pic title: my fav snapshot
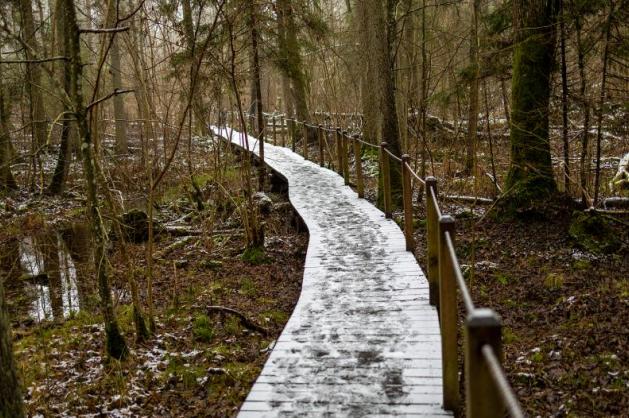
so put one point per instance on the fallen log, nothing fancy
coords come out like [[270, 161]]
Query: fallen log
[[243, 319]]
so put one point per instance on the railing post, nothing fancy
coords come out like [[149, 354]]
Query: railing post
[[360, 185], [274, 131], [339, 152], [482, 327], [321, 148], [386, 179], [344, 142], [283, 130], [448, 316], [407, 194], [305, 140], [293, 128], [432, 238]]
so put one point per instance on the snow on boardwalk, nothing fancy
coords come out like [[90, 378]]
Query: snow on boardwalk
[[363, 339]]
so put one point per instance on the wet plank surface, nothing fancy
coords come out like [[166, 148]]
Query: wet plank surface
[[363, 339]]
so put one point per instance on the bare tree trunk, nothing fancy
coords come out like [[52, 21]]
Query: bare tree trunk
[[116, 345], [33, 75], [369, 78], [11, 405], [564, 100], [601, 104], [585, 104], [7, 181], [253, 25], [291, 62], [472, 116], [120, 113]]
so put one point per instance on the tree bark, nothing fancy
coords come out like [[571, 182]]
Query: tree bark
[[11, 405], [33, 75], [7, 181], [472, 116], [120, 113], [115, 343], [530, 180]]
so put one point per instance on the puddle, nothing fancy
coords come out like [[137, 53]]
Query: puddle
[[55, 275], [52, 281]]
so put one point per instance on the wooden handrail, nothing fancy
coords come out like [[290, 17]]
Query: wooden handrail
[[487, 390]]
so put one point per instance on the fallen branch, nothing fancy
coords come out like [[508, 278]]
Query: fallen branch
[[243, 319], [471, 199]]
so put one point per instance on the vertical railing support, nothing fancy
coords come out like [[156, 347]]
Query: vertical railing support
[[293, 135], [274, 131], [407, 195], [321, 148], [432, 238], [386, 179], [482, 327], [283, 130], [360, 185], [345, 143], [339, 152], [448, 316], [305, 133]]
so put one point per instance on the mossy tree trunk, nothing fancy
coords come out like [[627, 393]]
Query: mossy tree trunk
[[120, 113], [11, 405], [290, 60], [115, 342], [7, 181], [530, 180], [58, 181]]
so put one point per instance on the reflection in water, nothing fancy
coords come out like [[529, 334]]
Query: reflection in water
[[53, 277]]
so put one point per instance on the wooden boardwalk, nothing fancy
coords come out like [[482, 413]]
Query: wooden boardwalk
[[363, 339]]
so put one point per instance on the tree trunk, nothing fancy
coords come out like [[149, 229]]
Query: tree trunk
[[253, 25], [33, 75], [291, 64], [601, 103], [60, 175], [530, 180], [369, 78], [584, 163], [11, 405], [564, 101], [120, 113], [472, 116], [7, 181], [116, 345]]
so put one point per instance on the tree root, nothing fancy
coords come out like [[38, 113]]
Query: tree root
[[243, 319]]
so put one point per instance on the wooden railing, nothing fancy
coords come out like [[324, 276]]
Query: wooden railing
[[487, 391]]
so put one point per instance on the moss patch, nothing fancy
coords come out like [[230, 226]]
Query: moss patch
[[592, 232]]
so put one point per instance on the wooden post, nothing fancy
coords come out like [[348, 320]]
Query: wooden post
[[432, 238], [407, 194], [448, 317], [344, 142], [321, 148], [293, 128], [283, 130], [360, 185], [339, 152], [386, 180], [305, 131], [482, 399], [274, 131]]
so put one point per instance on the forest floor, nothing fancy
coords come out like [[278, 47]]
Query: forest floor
[[197, 363], [564, 309]]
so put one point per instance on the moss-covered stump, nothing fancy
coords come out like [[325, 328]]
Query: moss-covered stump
[[135, 226], [592, 232]]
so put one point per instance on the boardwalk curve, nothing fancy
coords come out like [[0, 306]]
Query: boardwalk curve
[[363, 339]]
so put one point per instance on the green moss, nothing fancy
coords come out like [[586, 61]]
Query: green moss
[[248, 287], [278, 317], [581, 264], [502, 278], [592, 232], [202, 329], [554, 281], [255, 256], [186, 372]]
